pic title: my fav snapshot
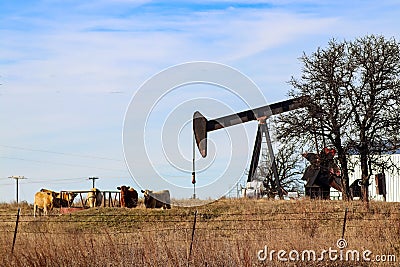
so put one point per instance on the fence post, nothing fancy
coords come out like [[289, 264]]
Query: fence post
[[191, 242], [15, 231], [344, 222]]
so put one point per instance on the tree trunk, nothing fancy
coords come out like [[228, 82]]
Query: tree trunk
[[364, 174], [345, 175], [343, 165]]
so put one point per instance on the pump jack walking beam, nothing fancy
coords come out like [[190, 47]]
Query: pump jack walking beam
[[201, 126]]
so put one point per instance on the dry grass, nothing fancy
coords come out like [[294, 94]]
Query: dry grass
[[228, 232]]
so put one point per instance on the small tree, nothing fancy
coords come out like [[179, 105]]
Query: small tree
[[354, 91], [288, 168]]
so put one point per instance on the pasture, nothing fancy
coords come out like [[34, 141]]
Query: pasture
[[229, 232]]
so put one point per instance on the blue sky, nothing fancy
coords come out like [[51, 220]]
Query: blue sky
[[69, 69]]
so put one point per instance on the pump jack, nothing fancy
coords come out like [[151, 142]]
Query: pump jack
[[201, 126]]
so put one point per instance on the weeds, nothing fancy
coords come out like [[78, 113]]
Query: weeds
[[228, 233]]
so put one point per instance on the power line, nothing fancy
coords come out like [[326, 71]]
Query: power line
[[5, 184], [57, 180], [58, 163], [61, 153]]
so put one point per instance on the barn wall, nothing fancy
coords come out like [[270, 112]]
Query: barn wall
[[392, 180]]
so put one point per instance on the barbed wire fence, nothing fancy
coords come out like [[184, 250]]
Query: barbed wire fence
[[205, 221], [194, 231]]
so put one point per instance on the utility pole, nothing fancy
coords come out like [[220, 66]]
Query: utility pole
[[93, 179], [17, 178]]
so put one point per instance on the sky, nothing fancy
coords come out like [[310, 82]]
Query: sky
[[69, 71]]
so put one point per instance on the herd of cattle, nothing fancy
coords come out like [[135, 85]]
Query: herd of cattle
[[45, 200]]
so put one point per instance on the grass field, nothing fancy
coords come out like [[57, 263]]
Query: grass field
[[229, 232]]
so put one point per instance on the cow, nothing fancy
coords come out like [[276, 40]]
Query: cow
[[64, 199], [43, 201], [129, 196], [94, 198], [159, 199]]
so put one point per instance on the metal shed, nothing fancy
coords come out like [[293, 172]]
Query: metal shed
[[392, 180]]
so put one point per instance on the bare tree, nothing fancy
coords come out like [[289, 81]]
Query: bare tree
[[374, 97], [288, 164], [354, 91], [326, 74]]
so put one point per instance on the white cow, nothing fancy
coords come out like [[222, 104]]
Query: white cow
[[94, 198], [159, 199]]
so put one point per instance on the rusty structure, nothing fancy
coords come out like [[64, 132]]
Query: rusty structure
[[201, 126], [322, 174], [109, 199]]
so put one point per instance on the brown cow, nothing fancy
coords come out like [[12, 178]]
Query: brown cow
[[159, 199], [43, 201], [129, 196]]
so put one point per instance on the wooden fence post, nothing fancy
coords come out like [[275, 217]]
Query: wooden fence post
[[191, 242], [344, 223], [15, 231]]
